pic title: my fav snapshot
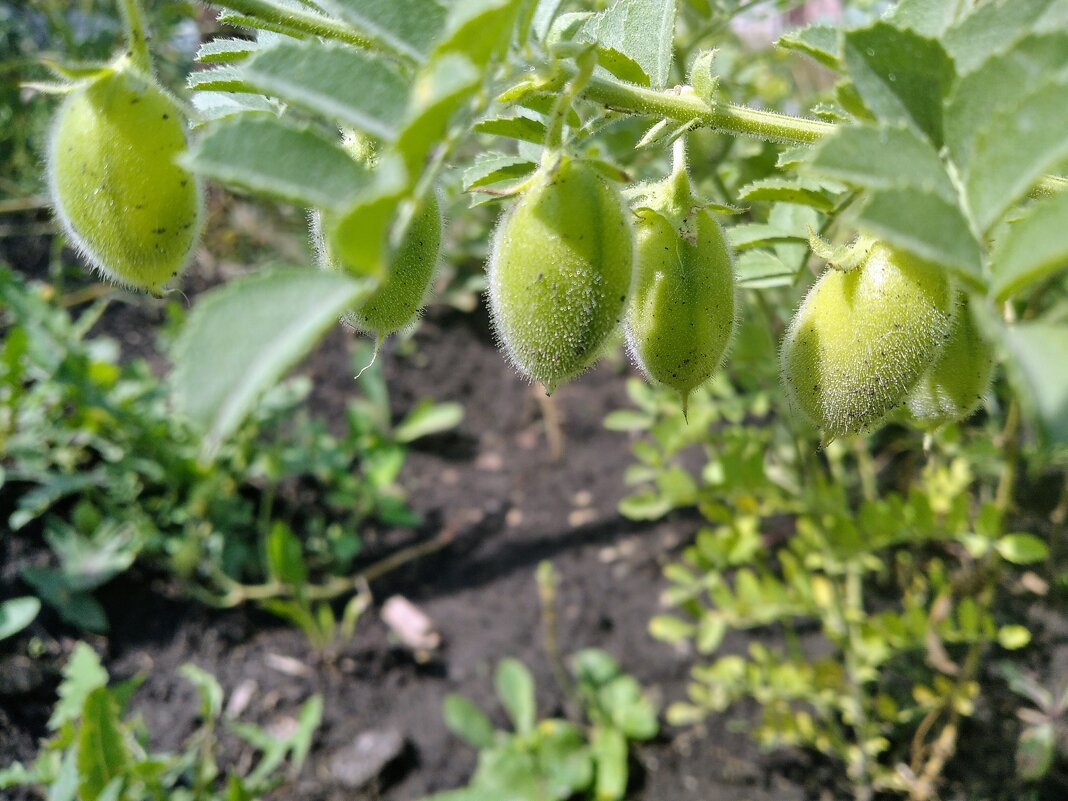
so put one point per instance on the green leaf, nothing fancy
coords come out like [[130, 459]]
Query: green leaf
[[1012, 638], [466, 720], [515, 688], [519, 127], [1038, 370], [996, 85], [641, 30], [901, 75], [621, 65], [1035, 751], [226, 78], [609, 748], [751, 235], [223, 49], [491, 168], [211, 693], [762, 269], [428, 418], [102, 752], [563, 759], [1022, 549], [927, 226], [993, 28], [362, 237], [217, 105], [1016, 147], [75, 607], [408, 28], [820, 42], [16, 614], [480, 29], [266, 155], [881, 157], [803, 191], [544, 12], [285, 556], [447, 83], [82, 674], [645, 506], [349, 87], [928, 18], [240, 339], [671, 629], [1034, 248]]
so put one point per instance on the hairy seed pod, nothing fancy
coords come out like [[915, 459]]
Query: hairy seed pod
[[397, 300], [560, 272], [954, 385], [861, 339], [681, 315], [124, 202]]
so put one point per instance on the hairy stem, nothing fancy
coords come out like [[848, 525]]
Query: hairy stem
[[307, 22], [133, 17]]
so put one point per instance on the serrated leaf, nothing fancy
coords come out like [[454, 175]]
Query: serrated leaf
[[515, 688], [82, 674], [820, 42], [805, 192], [16, 614], [641, 30], [1034, 248], [223, 49], [523, 128], [490, 168], [1015, 148], [1039, 373], [406, 27], [927, 17], [993, 28], [272, 157], [996, 84], [218, 105], [240, 339], [881, 157], [901, 76], [102, 752], [226, 78], [927, 226], [345, 85]]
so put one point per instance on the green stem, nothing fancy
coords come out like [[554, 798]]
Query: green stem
[[685, 106], [587, 62], [134, 19], [726, 117], [308, 23]]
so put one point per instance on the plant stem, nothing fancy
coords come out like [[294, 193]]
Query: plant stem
[[682, 105], [726, 117], [134, 18], [307, 23], [1009, 441]]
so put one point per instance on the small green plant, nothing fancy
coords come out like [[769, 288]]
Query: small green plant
[[1044, 736], [554, 759], [92, 453], [98, 752]]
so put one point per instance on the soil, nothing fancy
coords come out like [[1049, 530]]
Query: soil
[[495, 483]]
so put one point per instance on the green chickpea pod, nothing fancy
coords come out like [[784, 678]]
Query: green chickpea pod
[[560, 271], [124, 201], [681, 317], [862, 338]]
